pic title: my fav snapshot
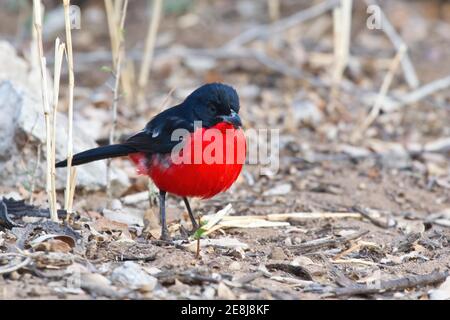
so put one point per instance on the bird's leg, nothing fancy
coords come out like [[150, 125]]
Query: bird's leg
[[191, 215], [162, 213]]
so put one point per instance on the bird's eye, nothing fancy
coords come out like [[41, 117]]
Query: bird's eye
[[212, 108]]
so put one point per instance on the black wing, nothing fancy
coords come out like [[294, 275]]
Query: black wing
[[157, 136]]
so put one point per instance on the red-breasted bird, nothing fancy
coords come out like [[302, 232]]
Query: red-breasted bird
[[209, 158]]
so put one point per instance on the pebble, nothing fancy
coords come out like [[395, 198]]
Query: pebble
[[130, 274], [277, 254]]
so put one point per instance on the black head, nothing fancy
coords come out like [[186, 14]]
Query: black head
[[213, 103]]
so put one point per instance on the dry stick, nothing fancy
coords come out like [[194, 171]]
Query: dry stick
[[149, 49], [45, 101], [262, 31], [116, 92], [375, 111], [59, 52], [73, 182], [118, 5], [115, 35], [342, 17], [112, 27], [424, 91], [397, 41], [23, 263], [69, 52], [325, 242], [296, 216], [410, 281], [274, 9], [197, 254], [165, 103]]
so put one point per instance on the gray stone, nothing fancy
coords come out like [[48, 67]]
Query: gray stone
[[131, 275]]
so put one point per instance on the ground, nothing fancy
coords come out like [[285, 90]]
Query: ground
[[396, 196]]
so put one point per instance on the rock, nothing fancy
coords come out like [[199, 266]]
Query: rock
[[209, 293], [131, 275], [8, 123], [128, 216], [231, 243], [22, 129], [235, 266], [225, 293], [279, 190], [97, 284], [277, 254], [441, 293]]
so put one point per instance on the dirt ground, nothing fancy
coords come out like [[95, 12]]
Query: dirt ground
[[381, 201]]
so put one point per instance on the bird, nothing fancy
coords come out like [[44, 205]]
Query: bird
[[194, 149]]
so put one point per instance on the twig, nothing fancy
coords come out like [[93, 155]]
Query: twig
[[117, 72], [342, 18], [325, 242], [112, 26], [397, 41], [410, 281], [59, 52], [354, 261], [297, 271], [113, 12], [379, 223], [274, 9], [197, 253], [360, 244], [375, 111], [263, 31], [11, 268], [46, 105], [424, 91], [73, 182], [166, 101], [293, 216], [149, 48], [69, 52]]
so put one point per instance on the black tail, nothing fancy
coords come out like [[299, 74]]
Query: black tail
[[111, 151]]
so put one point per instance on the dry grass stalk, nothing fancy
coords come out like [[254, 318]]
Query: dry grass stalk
[[113, 14], [117, 73], [46, 105], [112, 27], [342, 19], [149, 49], [274, 9], [59, 52], [375, 111], [69, 51], [73, 181], [387, 27]]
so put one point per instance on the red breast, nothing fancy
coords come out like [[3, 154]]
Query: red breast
[[208, 163]]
